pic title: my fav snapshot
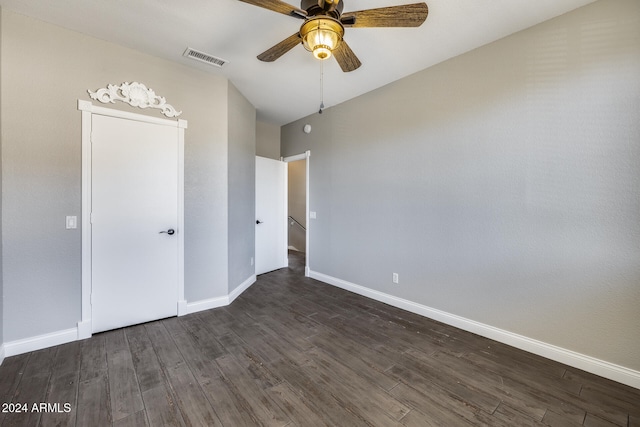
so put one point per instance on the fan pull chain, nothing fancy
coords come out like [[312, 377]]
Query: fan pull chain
[[321, 87]]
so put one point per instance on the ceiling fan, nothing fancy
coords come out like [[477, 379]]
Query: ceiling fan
[[323, 28]]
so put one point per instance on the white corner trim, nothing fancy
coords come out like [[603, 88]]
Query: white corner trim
[[84, 329], [241, 288], [39, 342], [1, 353], [599, 367], [182, 307]]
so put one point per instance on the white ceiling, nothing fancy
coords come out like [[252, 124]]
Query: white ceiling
[[288, 89]]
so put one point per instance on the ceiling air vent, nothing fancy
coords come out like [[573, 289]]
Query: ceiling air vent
[[203, 57]]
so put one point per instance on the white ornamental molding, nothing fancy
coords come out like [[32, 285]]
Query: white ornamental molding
[[135, 94]]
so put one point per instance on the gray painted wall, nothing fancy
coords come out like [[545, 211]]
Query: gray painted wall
[[45, 69], [297, 203], [297, 196], [267, 140], [242, 196], [502, 185]]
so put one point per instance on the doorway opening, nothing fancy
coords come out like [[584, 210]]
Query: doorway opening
[[298, 212]]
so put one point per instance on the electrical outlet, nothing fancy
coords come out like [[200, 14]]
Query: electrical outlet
[[396, 279], [251, 260], [71, 222]]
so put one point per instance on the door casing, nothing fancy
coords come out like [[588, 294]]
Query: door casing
[[88, 109], [304, 156]]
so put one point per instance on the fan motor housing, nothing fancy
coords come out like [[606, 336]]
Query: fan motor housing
[[314, 8]]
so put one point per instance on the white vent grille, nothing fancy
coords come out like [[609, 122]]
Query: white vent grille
[[203, 57]]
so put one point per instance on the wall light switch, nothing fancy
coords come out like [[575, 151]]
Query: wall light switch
[[72, 222], [312, 215]]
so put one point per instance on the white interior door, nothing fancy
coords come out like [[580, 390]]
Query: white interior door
[[134, 222], [271, 215]]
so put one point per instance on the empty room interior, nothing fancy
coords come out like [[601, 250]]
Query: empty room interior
[[332, 212]]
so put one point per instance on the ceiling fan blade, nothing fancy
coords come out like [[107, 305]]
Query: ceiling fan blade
[[347, 60], [408, 15], [280, 49], [278, 6]]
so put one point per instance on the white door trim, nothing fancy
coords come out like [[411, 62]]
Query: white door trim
[[304, 156], [88, 109]]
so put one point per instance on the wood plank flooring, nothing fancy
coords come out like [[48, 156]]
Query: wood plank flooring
[[292, 351]]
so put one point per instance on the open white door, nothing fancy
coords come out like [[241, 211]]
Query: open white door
[[271, 215], [134, 222]]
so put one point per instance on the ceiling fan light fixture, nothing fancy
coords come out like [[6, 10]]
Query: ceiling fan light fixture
[[322, 52], [321, 35]]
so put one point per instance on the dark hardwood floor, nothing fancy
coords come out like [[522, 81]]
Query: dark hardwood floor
[[292, 351]]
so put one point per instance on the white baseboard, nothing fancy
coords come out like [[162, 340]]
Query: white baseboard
[[39, 342], [83, 329], [207, 304], [599, 367], [240, 289]]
